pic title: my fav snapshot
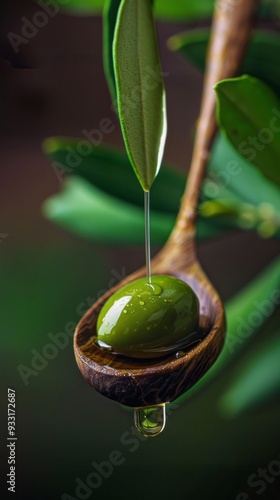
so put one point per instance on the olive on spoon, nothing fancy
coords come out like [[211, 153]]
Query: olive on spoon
[[149, 319], [148, 383]]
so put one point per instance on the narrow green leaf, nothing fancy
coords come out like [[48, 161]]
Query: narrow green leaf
[[240, 329], [244, 215], [140, 89], [164, 9], [177, 10], [91, 213], [236, 194], [229, 172], [248, 112], [109, 170], [192, 45], [257, 380], [194, 10], [83, 7], [240, 310], [261, 59], [270, 9], [110, 14], [110, 173]]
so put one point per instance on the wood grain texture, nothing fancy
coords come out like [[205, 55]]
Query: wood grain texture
[[147, 382]]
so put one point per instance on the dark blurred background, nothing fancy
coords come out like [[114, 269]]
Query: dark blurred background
[[55, 86]]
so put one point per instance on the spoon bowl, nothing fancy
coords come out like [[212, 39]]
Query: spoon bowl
[[146, 382]]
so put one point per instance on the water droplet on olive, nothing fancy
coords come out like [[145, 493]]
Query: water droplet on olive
[[151, 330], [179, 354]]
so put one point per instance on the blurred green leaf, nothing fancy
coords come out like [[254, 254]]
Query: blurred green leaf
[[177, 10], [39, 281], [237, 194], [164, 9], [234, 178], [92, 213], [244, 215], [270, 9], [245, 303], [192, 45], [89, 212], [257, 380], [81, 6], [239, 326], [246, 112], [140, 89], [110, 170], [261, 59], [109, 23]]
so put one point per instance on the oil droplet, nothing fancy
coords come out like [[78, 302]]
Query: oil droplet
[[155, 288], [179, 354], [150, 420], [124, 311], [102, 345], [142, 303]]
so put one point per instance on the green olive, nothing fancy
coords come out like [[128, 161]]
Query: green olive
[[146, 319]]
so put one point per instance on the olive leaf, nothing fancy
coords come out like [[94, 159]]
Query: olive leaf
[[257, 379], [238, 310], [164, 9], [244, 215], [110, 15], [109, 170], [261, 59], [177, 10], [84, 7], [231, 173], [192, 45], [140, 89], [248, 112], [270, 8], [94, 214], [91, 213], [235, 190]]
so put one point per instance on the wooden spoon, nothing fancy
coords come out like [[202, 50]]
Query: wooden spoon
[[149, 382]]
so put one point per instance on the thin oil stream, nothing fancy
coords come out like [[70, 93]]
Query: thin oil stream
[[150, 421], [147, 235]]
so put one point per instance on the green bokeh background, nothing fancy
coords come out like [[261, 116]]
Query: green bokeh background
[[62, 424]]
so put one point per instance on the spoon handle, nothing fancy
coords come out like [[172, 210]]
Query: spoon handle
[[230, 34]]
